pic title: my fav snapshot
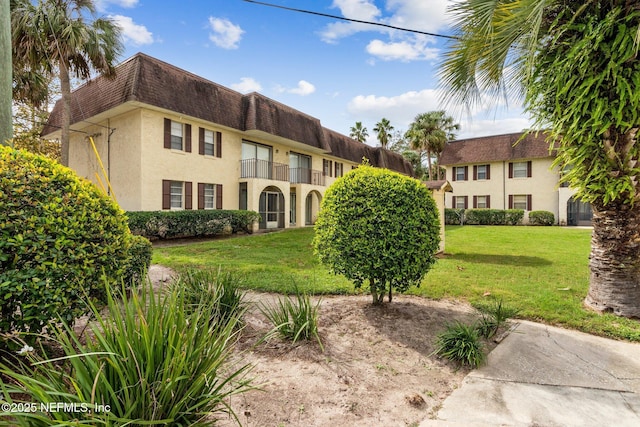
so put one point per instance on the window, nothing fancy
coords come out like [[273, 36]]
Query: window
[[256, 161], [210, 143], [460, 202], [209, 196], [177, 136], [520, 201], [339, 169], [327, 167], [176, 194], [481, 172], [520, 169], [460, 173], [481, 202], [299, 168]]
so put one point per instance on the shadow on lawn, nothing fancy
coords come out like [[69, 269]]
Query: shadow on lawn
[[515, 260]]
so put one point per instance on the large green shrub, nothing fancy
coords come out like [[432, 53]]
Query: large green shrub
[[140, 253], [541, 218], [378, 226], [453, 216], [60, 238], [485, 217], [191, 223], [514, 216]]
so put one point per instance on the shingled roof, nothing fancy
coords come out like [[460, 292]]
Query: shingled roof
[[496, 148], [148, 80]]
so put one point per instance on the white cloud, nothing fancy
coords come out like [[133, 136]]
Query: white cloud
[[304, 88], [406, 50], [471, 128], [246, 85], [225, 34], [103, 4], [421, 15], [137, 34], [363, 10]]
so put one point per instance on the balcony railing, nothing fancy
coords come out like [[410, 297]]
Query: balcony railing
[[256, 168], [305, 176], [264, 169]]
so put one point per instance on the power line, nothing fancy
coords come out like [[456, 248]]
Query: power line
[[326, 15]]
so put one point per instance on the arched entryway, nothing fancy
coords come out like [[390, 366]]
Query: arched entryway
[[312, 207], [271, 208], [578, 212]]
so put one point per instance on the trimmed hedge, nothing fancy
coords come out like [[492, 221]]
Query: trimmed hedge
[[61, 239], [541, 218], [191, 223], [140, 254], [484, 216]]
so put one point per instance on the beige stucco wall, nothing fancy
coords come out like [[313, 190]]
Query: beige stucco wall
[[542, 185]]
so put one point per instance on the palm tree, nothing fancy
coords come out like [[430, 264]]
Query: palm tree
[[359, 132], [64, 36], [383, 129], [429, 133], [575, 66]]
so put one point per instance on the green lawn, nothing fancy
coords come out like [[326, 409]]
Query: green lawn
[[541, 270]]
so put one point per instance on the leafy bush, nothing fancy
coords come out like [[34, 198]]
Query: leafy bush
[[514, 216], [378, 226], [140, 253], [191, 223], [203, 286], [541, 218], [461, 343], [294, 320], [454, 216], [153, 362], [485, 217], [60, 238]]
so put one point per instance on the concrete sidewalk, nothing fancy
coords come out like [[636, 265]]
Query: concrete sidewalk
[[545, 376]]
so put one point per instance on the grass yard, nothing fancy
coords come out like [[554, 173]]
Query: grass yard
[[541, 270]]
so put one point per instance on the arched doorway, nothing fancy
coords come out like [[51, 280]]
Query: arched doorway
[[578, 212], [271, 208], [312, 207]]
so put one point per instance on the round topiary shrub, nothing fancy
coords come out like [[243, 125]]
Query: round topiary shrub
[[541, 218], [378, 226], [60, 239]]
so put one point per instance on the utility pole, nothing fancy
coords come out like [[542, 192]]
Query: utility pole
[[6, 96]]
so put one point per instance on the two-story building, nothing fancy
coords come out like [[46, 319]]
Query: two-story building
[[169, 139], [510, 172]]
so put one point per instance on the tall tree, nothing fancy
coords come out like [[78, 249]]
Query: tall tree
[[6, 128], [359, 132], [64, 37], [575, 65], [383, 129], [429, 133]]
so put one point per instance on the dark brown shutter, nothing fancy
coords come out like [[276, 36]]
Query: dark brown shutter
[[200, 143], [218, 144], [187, 138], [324, 167], [510, 171], [188, 195], [475, 201], [200, 195], [529, 208], [454, 173], [466, 201], [167, 134], [475, 173], [510, 201], [529, 169], [488, 173], [453, 202], [219, 196], [466, 173], [488, 202], [166, 194], [331, 168]]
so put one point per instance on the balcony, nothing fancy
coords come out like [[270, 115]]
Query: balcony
[[305, 176], [264, 169]]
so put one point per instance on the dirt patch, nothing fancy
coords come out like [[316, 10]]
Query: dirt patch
[[377, 367]]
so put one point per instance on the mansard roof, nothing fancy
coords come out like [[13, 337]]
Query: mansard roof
[[496, 148], [150, 81]]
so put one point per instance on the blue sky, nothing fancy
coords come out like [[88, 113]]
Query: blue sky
[[337, 71]]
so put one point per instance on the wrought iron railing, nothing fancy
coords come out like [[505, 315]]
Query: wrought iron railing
[[305, 176], [256, 168]]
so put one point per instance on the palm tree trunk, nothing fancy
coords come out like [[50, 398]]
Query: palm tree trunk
[[65, 89], [615, 261], [429, 164]]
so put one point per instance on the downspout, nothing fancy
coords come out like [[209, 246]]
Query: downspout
[[504, 186], [109, 133]]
